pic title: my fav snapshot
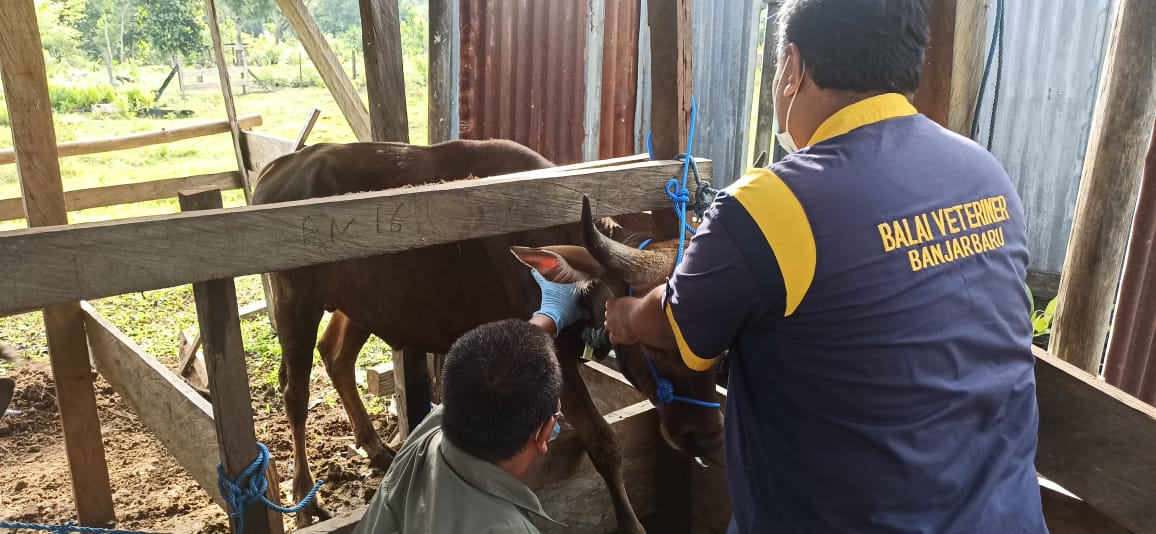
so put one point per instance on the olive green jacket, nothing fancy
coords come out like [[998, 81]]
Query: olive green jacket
[[434, 487]]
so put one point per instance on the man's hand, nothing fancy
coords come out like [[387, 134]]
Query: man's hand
[[559, 303], [619, 320]]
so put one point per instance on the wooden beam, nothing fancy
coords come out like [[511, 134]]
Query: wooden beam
[[672, 78], [1125, 110], [384, 70], [1095, 440], [411, 389], [592, 110], [342, 523], [260, 149], [137, 140], [444, 70], [328, 66], [176, 414], [227, 93], [85, 261], [220, 326], [306, 129], [670, 63], [765, 123], [113, 195], [954, 64], [34, 140], [379, 380]]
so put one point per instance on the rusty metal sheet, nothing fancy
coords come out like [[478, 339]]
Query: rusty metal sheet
[[1131, 362], [522, 75]]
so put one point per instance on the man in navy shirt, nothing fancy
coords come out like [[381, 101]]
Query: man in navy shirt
[[870, 291]]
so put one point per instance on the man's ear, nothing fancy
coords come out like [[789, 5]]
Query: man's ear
[[562, 264], [541, 439]]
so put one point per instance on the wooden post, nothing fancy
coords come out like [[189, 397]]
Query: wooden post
[[765, 124], [670, 61], [592, 111], [953, 66], [328, 66], [227, 93], [411, 388], [220, 327], [444, 75], [34, 139], [384, 70], [353, 62], [1125, 109]]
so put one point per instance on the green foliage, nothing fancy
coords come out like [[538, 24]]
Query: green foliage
[[79, 98], [336, 16], [4, 114], [61, 41], [173, 26], [1041, 319]]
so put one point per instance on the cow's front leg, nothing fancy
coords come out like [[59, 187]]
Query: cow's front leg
[[599, 440], [298, 316], [339, 346]]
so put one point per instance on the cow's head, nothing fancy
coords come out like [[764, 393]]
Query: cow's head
[[606, 269]]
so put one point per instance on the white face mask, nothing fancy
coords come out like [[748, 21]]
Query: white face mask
[[784, 137]]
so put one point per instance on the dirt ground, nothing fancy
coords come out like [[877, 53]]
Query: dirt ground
[[151, 491]]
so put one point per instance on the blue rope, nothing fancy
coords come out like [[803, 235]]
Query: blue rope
[[67, 527], [254, 486], [665, 391], [996, 40]]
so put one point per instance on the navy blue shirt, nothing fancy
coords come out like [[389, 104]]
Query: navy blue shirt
[[870, 289]]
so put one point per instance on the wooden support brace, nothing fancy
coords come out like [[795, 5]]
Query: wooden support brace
[[444, 69], [384, 70], [227, 93], [412, 389], [34, 140], [228, 375], [953, 67]]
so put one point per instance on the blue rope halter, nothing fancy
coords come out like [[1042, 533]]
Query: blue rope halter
[[250, 488]]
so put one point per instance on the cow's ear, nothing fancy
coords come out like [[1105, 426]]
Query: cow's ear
[[562, 264]]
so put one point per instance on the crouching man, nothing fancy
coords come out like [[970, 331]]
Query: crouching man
[[460, 470]]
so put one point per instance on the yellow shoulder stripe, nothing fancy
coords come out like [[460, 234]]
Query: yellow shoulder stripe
[[783, 222], [691, 359]]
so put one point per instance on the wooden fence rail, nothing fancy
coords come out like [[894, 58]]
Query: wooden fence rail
[[114, 195], [84, 261], [137, 140]]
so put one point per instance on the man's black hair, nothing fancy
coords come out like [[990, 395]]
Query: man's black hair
[[500, 383], [863, 46]]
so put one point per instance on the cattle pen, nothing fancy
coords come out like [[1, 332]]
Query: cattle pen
[[1094, 438]]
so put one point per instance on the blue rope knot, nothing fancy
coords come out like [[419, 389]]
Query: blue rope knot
[[677, 193], [665, 391], [250, 488]]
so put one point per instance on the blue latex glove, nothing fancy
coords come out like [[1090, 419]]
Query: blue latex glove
[[559, 302]]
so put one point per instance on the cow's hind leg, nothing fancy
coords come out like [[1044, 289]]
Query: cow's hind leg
[[339, 347], [598, 438], [298, 314]]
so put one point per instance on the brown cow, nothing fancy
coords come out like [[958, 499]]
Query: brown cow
[[426, 298]]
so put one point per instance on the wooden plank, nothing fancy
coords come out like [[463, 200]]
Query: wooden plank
[[85, 261], [306, 129], [953, 64], [137, 140], [379, 380], [384, 70], [176, 414], [1095, 440], [765, 123], [1044, 285], [592, 108], [411, 389], [670, 62], [342, 523], [328, 66], [1065, 514], [216, 302], [260, 149], [444, 70], [227, 93], [207, 86], [1125, 110], [34, 140], [113, 195]]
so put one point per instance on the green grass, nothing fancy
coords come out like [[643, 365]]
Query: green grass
[[154, 318]]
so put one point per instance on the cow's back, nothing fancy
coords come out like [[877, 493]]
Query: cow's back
[[423, 298]]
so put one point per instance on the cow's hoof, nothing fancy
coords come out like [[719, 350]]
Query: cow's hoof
[[315, 509], [382, 460]]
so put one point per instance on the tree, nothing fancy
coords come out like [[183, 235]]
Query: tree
[[248, 13], [336, 17], [173, 27]]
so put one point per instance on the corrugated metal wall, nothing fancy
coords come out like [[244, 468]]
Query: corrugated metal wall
[[1053, 53], [522, 75]]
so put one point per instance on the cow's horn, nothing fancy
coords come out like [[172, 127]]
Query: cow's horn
[[611, 254]]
